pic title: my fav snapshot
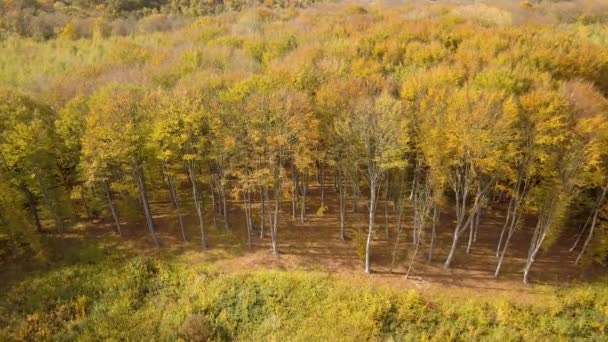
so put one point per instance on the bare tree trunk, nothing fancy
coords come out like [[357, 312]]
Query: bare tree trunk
[[504, 227], [407, 274], [462, 187], [247, 198], [456, 236], [33, 208], [477, 219], [262, 209], [224, 203], [294, 179], [304, 191], [143, 192], [106, 188], [267, 199], [386, 198], [197, 205], [213, 202], [398, 236], [540, 232], [472, 227], [275, 223], [372, 214], [174, 201], [593, 223], [342, 204], [581, 232], [322, 184], [355, 193], [433, 232]]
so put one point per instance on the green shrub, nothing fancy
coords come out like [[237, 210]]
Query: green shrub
[[120, 298]]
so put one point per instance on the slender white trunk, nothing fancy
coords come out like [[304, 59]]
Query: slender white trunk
[[197, 205], [304, 191], [224, 203], [111, 206], [262, 214], [275, 223], [398, 237], [372, 213], [175, 201], [322, 184], [433, 232], [593, 223], [342, 203], [504, 227]]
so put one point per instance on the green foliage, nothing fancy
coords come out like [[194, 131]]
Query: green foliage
[[148, 298]]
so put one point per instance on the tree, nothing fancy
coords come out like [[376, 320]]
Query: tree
[[376, 129], [28, 154], [182, 135], [115, 144]]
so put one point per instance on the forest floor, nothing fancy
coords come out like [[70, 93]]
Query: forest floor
[[315, 246]]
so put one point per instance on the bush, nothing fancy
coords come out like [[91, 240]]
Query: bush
[[153, 299], [196, 328]]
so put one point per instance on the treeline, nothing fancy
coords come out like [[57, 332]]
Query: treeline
[[440, 116], [73, 19]]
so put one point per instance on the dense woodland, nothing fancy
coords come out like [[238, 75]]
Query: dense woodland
[[445, 115], [420, 111]]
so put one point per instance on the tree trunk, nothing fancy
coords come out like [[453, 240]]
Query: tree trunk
[[174, 201], [269, 210], [85, 204], [477, 219], [593, 223], [450, 258], [143, 192], [33, 208], [111, 206], [540, 232], [275, 223], [322, 184], [49, 203], [504, 227], [386, 197], [247, 198], [341, 193], [471, 231], [398, 236], [294, 179], [461, 225], [372, 213], [581, 232], [512, 224], [407, 274], [433, 232], [213, 202], [224, 204], [304, 191], [197, 205], [262, 214], [355, 193]]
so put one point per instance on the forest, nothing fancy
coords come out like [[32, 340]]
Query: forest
[[185, 170]]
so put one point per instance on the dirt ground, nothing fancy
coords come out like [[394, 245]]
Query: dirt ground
[[315, 246]]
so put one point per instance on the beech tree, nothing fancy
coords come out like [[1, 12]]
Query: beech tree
[[28, 155], [376, 128], [182, 134], [115, 143]]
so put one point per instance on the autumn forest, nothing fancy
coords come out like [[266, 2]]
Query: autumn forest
[[176, 170]]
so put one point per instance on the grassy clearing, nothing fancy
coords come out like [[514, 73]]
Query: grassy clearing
[[101, 292]]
